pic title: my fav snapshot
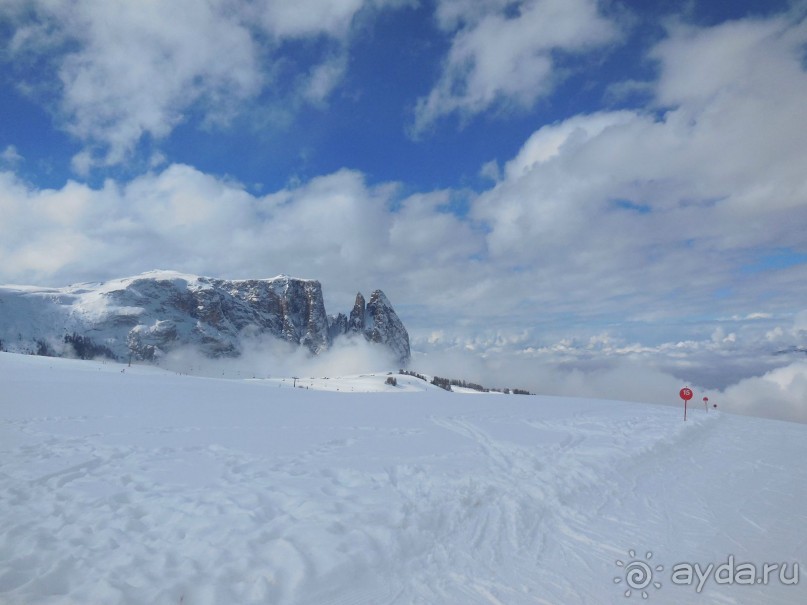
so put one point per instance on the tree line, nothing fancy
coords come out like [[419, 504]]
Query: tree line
[[447, 383]]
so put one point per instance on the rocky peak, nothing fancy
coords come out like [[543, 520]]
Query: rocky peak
[[356, 321], [384, 326], [377, 322]]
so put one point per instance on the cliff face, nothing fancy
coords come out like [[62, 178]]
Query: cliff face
[[377, 322], [146, 316], [214, 314]]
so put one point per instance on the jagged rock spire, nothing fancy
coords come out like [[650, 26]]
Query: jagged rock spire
[[377, 322]]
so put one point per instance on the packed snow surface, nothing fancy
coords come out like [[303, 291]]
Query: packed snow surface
[[147, 487]]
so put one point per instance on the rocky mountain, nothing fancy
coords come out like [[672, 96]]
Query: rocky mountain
[[376, 321], [146, 316]]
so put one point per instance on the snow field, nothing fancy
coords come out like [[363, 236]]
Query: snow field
[[148, 487]]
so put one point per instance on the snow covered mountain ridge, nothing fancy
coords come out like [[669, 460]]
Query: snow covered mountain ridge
[[146, 316]]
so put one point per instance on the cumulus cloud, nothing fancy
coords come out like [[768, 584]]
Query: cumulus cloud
[[502, 55], [130, 71], [779, 394], [649, 212], [335, 228]]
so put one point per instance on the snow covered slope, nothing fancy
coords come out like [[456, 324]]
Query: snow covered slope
[[150, 314], [149, 487]]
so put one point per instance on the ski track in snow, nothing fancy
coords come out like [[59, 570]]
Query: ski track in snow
[[146, 487]]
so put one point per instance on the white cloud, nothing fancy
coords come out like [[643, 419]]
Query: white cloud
[[751, 316], [82, 163], [548, 142], [334, 228], [10, 156], [646, 216], [323, 78], [301, 18], [270, 357], [779, 394], [758, 384], [501, 58], [129, 71]]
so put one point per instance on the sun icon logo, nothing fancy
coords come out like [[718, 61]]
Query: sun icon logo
[[638, 574]]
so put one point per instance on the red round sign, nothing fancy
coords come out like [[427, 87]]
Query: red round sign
[[706, 399], [685, 393]]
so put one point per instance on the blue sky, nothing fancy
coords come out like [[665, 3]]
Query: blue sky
[[550, 182], [394, 57]]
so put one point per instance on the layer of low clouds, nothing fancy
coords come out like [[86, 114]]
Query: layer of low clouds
[[754, 371], [272, 358]]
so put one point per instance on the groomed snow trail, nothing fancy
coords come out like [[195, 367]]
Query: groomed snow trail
[[147, 487]]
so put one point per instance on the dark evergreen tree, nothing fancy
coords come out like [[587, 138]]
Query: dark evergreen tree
[[85, 348]]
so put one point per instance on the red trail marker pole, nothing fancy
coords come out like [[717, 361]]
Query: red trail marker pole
[[706, 403], [686, 395]]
